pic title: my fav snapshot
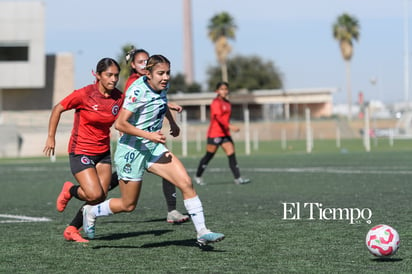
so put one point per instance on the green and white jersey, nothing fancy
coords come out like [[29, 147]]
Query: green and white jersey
[[148, 107]]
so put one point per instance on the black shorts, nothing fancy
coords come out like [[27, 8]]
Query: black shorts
[[79, 162], [217, 141]]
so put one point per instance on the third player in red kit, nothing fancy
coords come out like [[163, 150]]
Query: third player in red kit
[[219, 135]]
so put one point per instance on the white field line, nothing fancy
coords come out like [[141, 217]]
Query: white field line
[[21, 219], [336, 170], [34, 169]]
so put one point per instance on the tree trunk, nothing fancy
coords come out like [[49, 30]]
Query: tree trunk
[[223, 67], [348, 89], [222, 49]]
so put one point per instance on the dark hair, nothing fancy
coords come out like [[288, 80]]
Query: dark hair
[[222, 83], [133, 52], [104, 63], [154, 60]]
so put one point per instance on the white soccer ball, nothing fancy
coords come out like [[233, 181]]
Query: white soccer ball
[[382, 240]]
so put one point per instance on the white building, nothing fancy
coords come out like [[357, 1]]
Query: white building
[[30, 80]]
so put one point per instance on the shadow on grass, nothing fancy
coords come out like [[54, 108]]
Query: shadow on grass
[[155, 220], [186, 243], [107, 221], [119, 236], [383, 259], [215, 183], [159, 220], [163, 220]]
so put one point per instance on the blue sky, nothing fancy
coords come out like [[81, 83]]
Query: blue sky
[[296, 35]]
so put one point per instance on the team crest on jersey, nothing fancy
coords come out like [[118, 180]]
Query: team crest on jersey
[[95, 107], [133, 99], [85, 160], [115, 110], [127, 168]]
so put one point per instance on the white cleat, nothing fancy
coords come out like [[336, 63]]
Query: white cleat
[[175, 217], [206, 237], [199, 181], [241, 181], [89, 221]]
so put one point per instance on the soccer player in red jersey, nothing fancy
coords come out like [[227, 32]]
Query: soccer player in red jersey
[[96, 108], [219, 135]]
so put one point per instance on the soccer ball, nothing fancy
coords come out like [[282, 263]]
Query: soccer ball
[[382, 240]]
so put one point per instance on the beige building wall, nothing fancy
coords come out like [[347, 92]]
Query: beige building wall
[[59, 82], [63, 76], [28, 111]]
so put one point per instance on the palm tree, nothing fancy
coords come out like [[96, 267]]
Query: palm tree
[[345, 30], [222, 28]]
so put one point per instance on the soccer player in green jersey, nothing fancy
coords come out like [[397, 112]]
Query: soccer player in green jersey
[[142, 146]]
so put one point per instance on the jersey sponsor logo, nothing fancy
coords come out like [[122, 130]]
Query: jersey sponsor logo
[[85, 160], [115, 110], [95, 107]]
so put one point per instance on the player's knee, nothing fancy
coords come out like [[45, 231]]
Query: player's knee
[[187, 182], [186, 185], [129, 207], [95, 197]]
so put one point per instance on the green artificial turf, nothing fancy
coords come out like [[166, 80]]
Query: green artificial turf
[[259, 239]]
